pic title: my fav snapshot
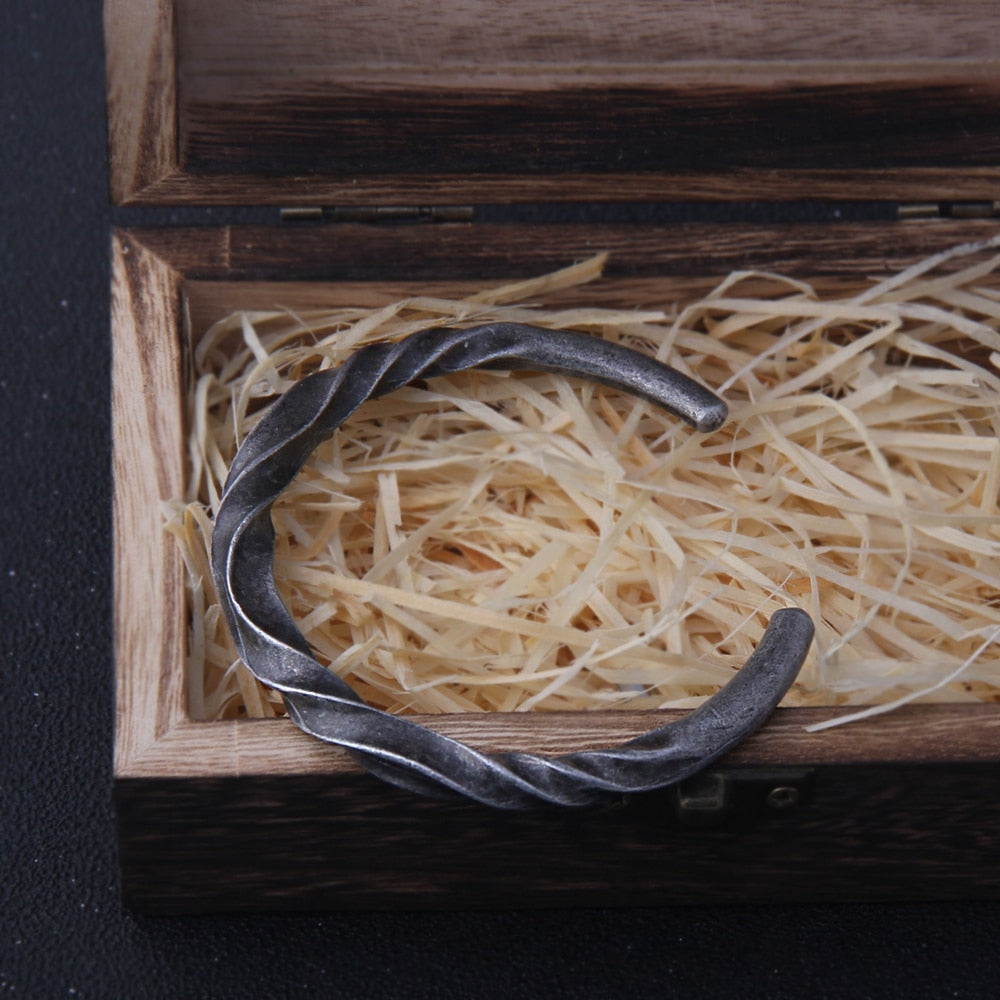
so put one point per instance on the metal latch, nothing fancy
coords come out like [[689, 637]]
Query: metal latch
[[724, 797]]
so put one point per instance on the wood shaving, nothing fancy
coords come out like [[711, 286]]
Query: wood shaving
[[492, 543]]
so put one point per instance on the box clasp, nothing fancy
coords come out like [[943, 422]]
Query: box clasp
[[732, 797]]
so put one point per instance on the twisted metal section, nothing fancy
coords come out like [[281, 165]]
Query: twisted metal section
[[403, 752]]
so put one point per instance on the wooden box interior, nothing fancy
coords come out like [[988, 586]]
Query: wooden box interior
[[239, 814]]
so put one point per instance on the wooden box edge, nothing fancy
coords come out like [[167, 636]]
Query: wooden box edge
[[144, 111]]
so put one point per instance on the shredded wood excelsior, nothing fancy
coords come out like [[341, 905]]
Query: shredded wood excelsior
[[492, 542]]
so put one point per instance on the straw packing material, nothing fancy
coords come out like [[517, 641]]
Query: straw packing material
[[496, 542]]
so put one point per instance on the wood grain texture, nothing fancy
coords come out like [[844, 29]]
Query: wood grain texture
[[930, 734], [142, 93], [681, 258], [321, 188], [148, 466], [667, 128], [304, 45], [863, 832], [254, 814], [332, 103]]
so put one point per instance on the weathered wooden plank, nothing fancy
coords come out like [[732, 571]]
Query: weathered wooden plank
[[141, 72], [148, 462], [301, 46], [861, 832], [669, 128], [690, 255], [903, 184], [921, 734]]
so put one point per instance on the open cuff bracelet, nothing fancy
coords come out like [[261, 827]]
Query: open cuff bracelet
[[397, 749]]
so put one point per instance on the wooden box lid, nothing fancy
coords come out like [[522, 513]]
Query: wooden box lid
[[335, 102]]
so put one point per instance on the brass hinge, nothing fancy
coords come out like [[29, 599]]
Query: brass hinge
[[379, 213], [948, 210]]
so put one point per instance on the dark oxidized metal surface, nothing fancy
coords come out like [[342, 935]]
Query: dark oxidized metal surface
[[396, 749]]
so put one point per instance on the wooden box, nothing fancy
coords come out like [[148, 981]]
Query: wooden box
[[355, 113]]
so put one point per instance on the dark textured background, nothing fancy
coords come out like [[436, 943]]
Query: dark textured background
[[62, 931]]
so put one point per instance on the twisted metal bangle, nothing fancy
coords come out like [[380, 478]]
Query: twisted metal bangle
[[401, 751]]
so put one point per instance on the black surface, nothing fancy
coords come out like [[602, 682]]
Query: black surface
[[62, 930]]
